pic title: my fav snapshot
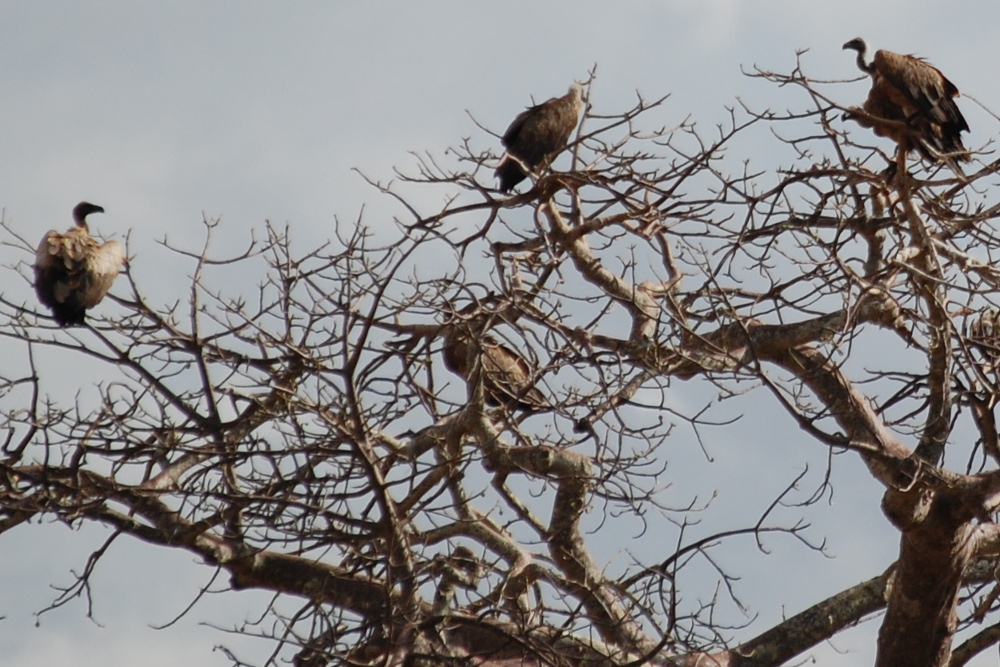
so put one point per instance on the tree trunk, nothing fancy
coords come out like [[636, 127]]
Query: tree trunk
[[936, 546]]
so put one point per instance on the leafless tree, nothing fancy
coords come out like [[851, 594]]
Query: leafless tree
[[306, 437]]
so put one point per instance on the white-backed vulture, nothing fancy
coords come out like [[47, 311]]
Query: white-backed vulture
[[73, 272], [537, 135], [916, 100], [505, 374]]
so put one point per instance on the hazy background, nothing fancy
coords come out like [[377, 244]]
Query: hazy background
[[164, 113]]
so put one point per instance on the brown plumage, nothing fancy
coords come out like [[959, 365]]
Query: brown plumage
[[505, 374], [916, 100], [984, 335], [73, 272], [537, 135]]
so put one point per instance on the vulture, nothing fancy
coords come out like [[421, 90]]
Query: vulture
[[984, 335], [537, 135], [918, 102], [505, 374], [73, 271]]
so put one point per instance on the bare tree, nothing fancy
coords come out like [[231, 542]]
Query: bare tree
[[308, 439]]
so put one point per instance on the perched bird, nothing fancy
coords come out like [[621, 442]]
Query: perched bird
[[984, 335], [537, 135], [73, 272], [505, 374], [917, 101]]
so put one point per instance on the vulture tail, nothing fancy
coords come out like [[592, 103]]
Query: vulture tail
[[68, 314], [510, 174]]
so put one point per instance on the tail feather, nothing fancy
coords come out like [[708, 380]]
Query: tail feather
[[68, 314], [510, 174]]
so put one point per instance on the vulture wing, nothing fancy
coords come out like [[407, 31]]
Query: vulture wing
[[101, 270], [887, 119], [921, 87], [73, 272], [537, 135], [984, 334], [505, 374], [507, 377], [457, 350], [925, 97]]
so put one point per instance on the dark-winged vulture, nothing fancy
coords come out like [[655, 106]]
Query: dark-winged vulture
[[505, 374], [73, 272], [918, 102], [537, 135]]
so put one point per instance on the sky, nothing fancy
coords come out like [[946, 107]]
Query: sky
[[168, 113]]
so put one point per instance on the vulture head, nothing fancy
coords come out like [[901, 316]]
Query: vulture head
[[576, 89], [861, 46], [82, 210]]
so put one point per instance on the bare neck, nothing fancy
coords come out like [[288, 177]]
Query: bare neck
[[863, 65]]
